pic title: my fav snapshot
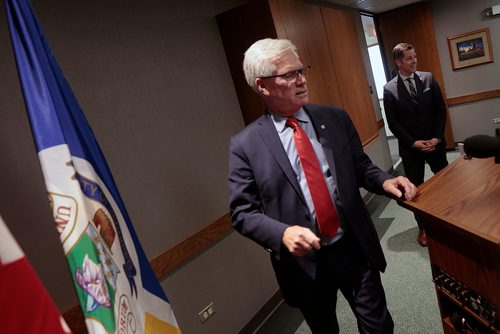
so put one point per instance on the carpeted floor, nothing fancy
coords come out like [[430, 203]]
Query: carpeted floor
[[407, 281]]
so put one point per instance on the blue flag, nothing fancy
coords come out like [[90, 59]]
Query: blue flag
[[114, 283]]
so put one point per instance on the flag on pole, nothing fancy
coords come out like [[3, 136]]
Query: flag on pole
[[25, 305], [114, 283]]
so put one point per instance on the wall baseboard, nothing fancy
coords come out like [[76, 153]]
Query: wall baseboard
[[263, 314], [191, 247]]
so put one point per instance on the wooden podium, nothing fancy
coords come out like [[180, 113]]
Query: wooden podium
[[461, 205]]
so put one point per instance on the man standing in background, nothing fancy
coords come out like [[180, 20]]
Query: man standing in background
[[416, 114]]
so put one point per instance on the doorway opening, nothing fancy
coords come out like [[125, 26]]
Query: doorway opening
[[378, 70]]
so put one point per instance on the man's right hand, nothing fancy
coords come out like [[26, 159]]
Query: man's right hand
[[300, 240]]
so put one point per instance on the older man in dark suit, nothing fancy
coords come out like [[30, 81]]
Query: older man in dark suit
[[416, 114], [319, 243]]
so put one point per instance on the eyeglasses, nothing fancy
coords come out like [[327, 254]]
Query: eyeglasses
[[290, 75]]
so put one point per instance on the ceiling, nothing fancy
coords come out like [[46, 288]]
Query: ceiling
[[372, 6]]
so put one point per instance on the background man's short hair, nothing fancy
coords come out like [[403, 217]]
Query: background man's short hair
[[399, 50]]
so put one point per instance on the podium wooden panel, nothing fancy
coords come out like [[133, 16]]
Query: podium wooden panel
[[461, 205]]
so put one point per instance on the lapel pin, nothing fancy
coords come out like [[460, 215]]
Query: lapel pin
[[323, 126]]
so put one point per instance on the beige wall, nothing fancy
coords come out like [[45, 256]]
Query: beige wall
[[455, 17]]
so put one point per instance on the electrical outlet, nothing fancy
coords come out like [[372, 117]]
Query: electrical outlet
[[207, 312]]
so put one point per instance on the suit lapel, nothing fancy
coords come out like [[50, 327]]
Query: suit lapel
[[271, 138]]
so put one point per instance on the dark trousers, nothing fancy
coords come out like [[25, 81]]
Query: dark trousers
[[342, 266], [414, 163], [414, 166]]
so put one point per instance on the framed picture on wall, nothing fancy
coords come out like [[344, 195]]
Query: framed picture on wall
[[470, 49]]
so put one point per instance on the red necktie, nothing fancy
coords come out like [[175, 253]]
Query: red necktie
[[323, 205]]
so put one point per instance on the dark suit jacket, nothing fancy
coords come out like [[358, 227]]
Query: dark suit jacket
[[410, 121], [265, 197]]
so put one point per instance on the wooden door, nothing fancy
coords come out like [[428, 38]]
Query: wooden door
[[303, 25], [328, 40], [351, 73]]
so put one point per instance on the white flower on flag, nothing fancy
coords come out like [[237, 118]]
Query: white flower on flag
[[91, 279]]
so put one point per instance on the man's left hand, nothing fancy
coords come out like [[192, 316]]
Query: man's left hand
[[400, 185]]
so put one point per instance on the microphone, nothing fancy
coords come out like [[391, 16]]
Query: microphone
[[482, 146]]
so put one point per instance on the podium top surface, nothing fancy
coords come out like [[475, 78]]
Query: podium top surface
[[465, 195]]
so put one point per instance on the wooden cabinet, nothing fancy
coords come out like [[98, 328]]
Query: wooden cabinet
[[461, 207], [326, 38]]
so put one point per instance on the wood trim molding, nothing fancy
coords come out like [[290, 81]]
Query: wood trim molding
[[370, 140], [191, 247], [380, 124], [168, 261], [490, 94]]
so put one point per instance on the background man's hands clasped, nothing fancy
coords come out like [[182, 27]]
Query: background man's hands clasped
[[426, 145]]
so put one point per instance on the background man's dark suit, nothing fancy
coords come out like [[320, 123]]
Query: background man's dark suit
[[421, 120], [265, 197]]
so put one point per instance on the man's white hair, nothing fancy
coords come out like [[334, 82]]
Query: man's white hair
[[259, 58]]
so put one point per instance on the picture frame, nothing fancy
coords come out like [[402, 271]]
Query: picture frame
[[470, 49]]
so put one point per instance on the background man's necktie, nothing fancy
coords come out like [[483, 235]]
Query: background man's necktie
[[413, 90], [326, 214]]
